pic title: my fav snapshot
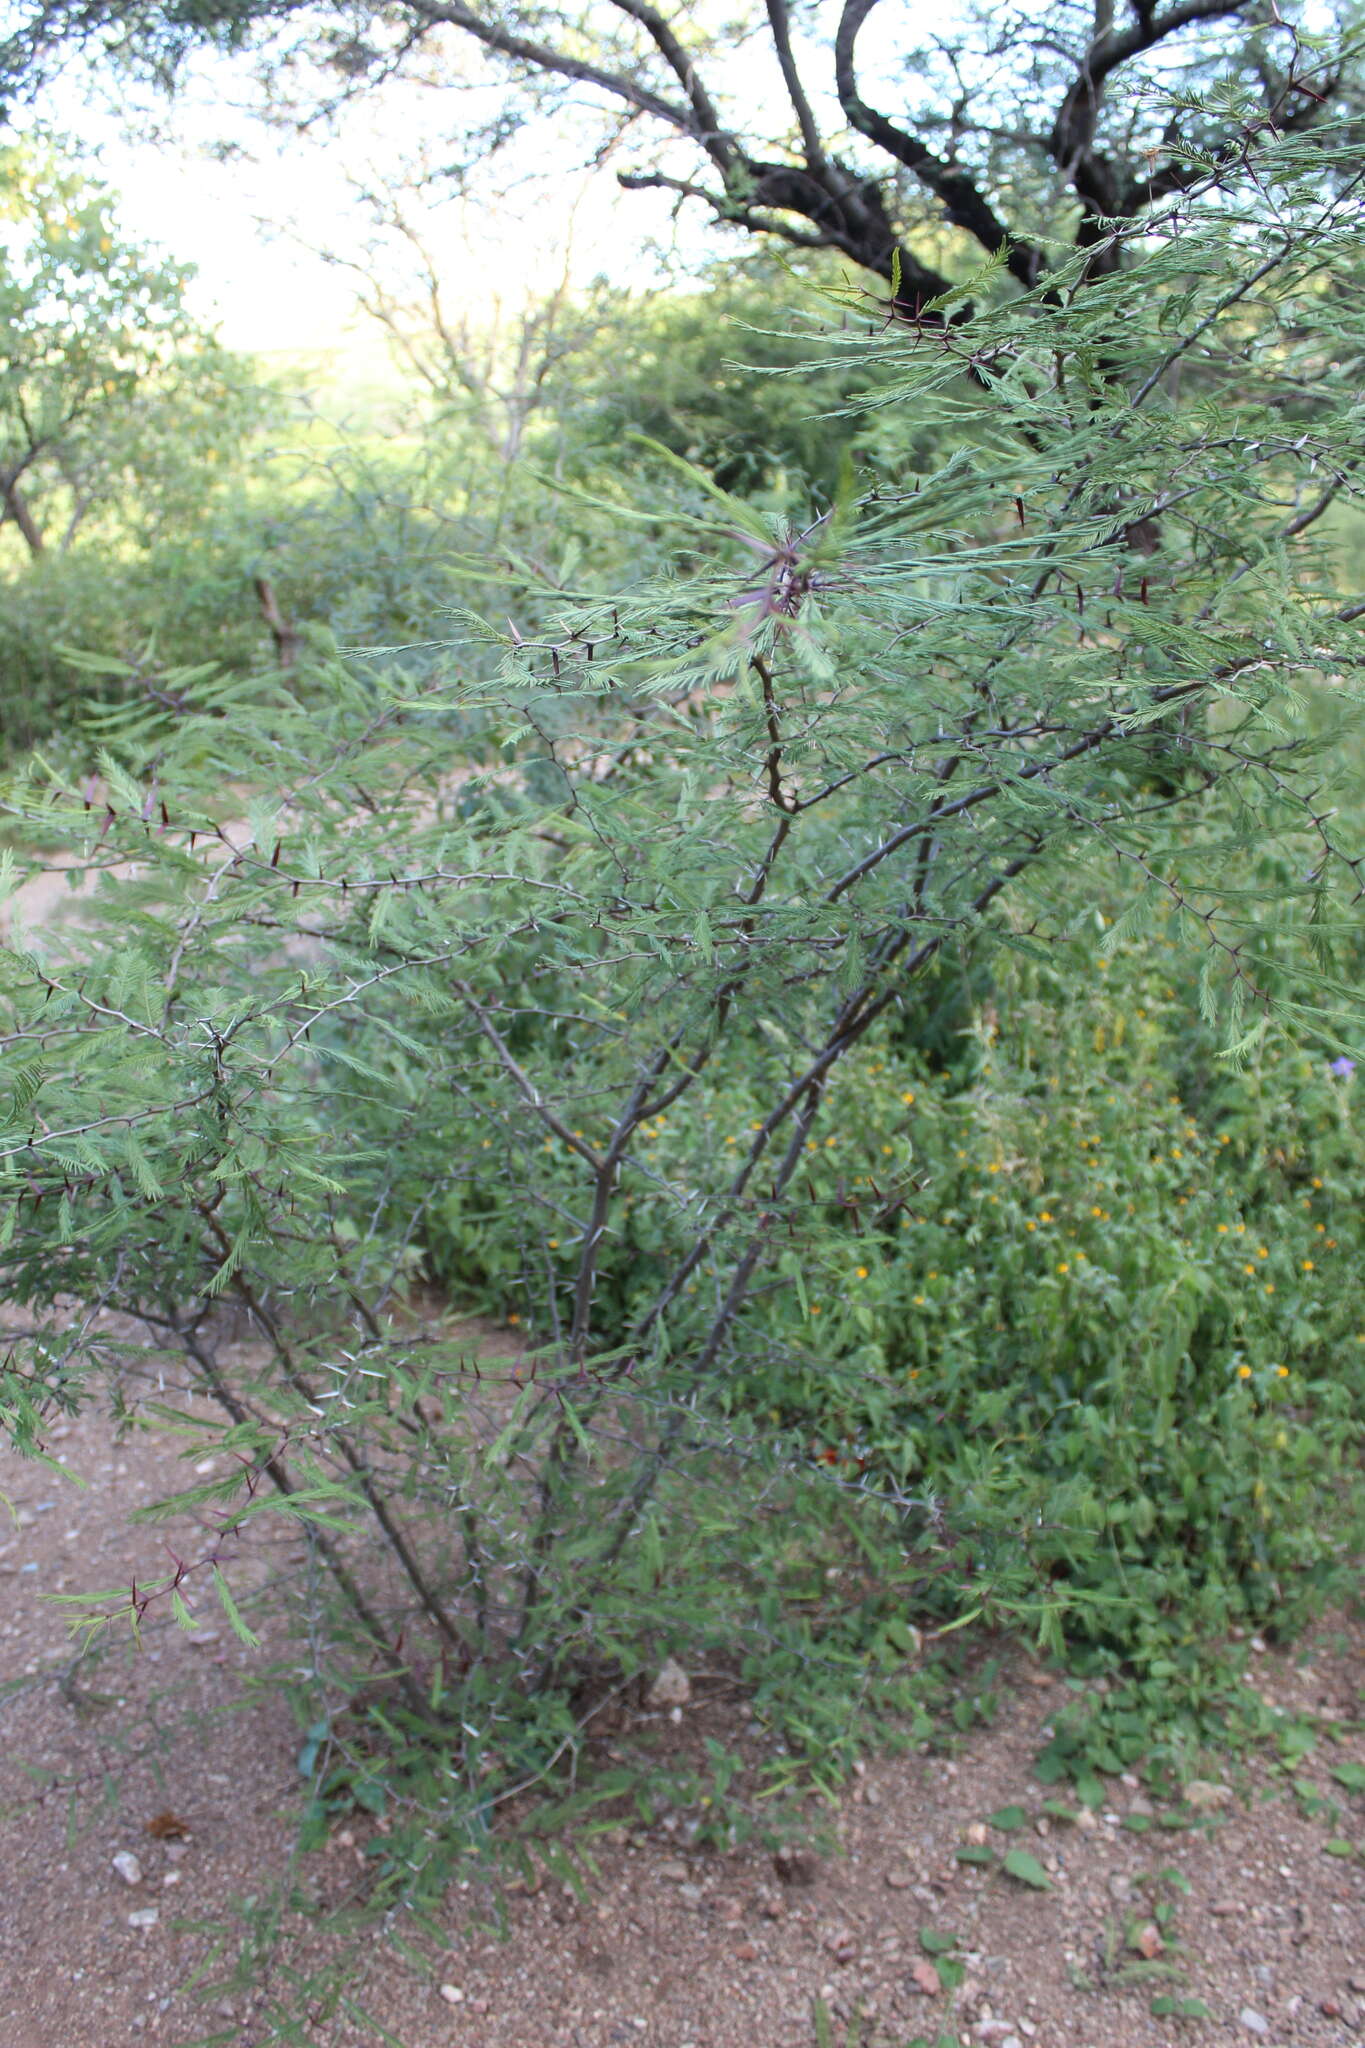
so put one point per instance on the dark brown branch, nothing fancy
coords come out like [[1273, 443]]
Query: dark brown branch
[[544, 57], [286, 637], [14, 505], [717, 143], [779, 21], [962, 201]]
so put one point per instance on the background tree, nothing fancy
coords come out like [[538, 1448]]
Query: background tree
[[98, 356], [123, 430], [847, 127]]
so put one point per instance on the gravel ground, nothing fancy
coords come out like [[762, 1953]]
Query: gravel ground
[[167, 1756]]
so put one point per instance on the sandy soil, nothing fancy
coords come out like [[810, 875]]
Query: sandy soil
[[669, 1947]]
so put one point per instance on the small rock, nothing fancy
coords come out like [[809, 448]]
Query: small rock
[[128, 1867], [1120, 1887], [1357, 1984], [690, 1892], [1329, 2008], [672, 1687], [1204, 1796], [1086, 1821], [674, 1873], [452, 1994], [177, 1851], [1224, 1909], [925, 1978], [145, 1916], [842, 1944], [796, 1866], [898, 1880], [1254, 2022], [746, 1953], [975, 1833], [1147, 1941]]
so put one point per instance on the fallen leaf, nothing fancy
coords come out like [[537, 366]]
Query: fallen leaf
[[168, 1827], [1009, 1819], [936, 1944], [1026, 1869]]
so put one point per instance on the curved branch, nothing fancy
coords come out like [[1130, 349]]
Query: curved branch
[[779, 22], [1071, 144], [544, 57], [965, 206], [714, 139], [723, 208]]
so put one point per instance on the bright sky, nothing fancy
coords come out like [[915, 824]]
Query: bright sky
[[253, 222]]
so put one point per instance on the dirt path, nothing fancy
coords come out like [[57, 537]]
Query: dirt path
[[669, 1948]]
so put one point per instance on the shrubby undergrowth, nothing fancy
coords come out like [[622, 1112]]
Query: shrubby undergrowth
[[775, 987]]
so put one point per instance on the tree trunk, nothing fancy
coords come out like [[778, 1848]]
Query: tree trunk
[[16, 508]]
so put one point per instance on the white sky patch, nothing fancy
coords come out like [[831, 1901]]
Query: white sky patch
[[257, 220]]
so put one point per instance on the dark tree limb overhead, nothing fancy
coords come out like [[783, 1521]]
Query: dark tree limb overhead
[[1010, 137]]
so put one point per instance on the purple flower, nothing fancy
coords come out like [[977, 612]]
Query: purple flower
[[1342, 1068]]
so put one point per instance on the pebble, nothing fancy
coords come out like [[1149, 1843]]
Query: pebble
[[128, 1867], [673, 1873], [452, 1994], [1203, 1795], [145, 1916], [1254, 2022], [842, 1944], [899, 1880], [671, 1688]]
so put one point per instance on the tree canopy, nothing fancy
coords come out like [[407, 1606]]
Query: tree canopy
[[849, 128]]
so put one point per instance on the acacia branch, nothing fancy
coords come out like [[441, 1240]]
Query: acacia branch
[[718, 144], [962, 201], [779, 21], [544, 57]]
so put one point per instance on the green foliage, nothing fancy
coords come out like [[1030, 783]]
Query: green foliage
[[708, 977], [120, 427], [702, 373]]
